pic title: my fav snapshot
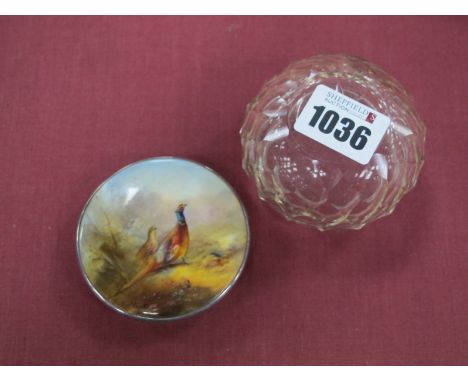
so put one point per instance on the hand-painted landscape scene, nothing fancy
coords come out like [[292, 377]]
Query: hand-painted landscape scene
[[162, 238]]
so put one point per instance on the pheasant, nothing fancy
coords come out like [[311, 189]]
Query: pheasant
[[150, 247], [173, 247]]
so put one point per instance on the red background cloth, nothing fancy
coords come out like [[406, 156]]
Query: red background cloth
[[81, 97]]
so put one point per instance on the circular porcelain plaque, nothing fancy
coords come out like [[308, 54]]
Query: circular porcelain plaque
[[162, 238]]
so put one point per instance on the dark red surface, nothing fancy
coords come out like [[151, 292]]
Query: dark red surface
[[82, 97]]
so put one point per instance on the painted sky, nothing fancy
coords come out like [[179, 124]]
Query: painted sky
[[170, 176], [147, 193]]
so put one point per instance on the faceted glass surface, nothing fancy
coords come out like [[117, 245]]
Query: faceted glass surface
[[312, 184]]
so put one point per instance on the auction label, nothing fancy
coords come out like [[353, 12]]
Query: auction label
[[342, 124]]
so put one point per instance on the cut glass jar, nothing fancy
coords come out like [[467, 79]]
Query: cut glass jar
[[310, 183]]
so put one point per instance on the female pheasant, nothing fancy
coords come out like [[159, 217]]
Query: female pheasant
[[150, 247], [172, 248]]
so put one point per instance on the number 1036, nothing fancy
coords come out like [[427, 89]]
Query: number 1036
[[327, 123]]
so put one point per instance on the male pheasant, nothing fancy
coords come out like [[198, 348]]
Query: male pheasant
[[173, 247]]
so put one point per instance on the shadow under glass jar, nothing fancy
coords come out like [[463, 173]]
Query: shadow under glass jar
[[306, 181]]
